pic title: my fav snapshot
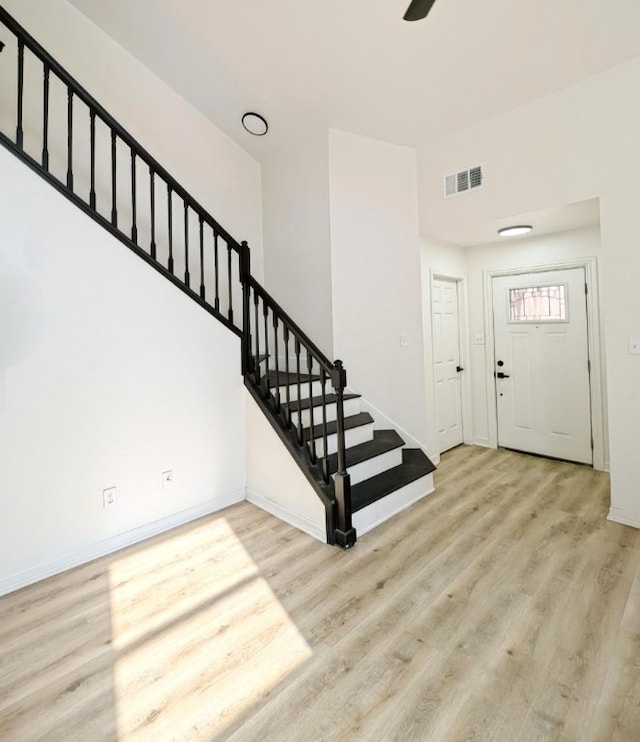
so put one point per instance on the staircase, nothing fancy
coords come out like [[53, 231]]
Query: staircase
[[361, 474], [385, 476]]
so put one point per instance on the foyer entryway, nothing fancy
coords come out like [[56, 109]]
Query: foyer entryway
[[542, 367]]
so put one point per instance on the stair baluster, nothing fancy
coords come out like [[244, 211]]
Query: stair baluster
[[325, 436], [170, 227], [187, 277], [152, 204], [19, 131], [299, 389], [134, 199], [70, 139], [230, 284], [45, 117], [312, 440], [245, 275], [216, 302], [265, 314], [256, 326], [202, 287], [114, 179], [287, 389], [277, 361]]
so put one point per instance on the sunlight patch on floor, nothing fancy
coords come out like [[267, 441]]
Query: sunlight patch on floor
[[198, 640]]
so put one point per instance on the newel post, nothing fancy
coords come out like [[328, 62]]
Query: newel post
[[344, 532], [245, 275]]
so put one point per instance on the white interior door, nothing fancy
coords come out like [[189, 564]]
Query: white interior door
[[542, 364], [446, 351]]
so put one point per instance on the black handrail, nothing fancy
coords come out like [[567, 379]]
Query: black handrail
[[80, 92], [266, 330], [78, 103]]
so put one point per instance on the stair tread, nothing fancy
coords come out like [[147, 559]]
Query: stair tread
[[415, 465], [350, 422], [383, 442], [316, 401], [282, 378]]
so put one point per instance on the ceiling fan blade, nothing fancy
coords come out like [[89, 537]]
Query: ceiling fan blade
[[418, 9]]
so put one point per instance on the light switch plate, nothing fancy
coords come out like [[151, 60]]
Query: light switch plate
[[634, 346]]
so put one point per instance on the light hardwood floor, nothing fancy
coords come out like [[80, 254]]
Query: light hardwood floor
[[502, 607]]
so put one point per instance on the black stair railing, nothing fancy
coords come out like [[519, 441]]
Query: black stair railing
[[58, 129], [289, 377], [54, 125]]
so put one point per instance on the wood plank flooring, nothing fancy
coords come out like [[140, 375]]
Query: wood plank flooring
[[502, 607]]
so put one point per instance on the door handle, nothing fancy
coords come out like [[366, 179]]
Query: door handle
[[500, 375], [459, 368]]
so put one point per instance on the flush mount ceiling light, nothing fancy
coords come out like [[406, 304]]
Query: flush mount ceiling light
[[515, 231], [255, 124]]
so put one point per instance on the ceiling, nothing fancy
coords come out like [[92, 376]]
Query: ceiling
[[549, 221], [355, 65]]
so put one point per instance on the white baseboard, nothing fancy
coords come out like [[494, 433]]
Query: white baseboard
[[616, 515], [293, 519], [382, 421], [484, 442], [115, 543]]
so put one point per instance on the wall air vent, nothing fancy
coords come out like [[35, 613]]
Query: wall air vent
[[465, 180]]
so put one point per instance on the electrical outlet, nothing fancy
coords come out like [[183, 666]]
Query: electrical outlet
[[167, 478], [634, 346], [478, 338], [109, 497]]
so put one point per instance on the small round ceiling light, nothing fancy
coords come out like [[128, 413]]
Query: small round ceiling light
[[255, 124], [515, 231]]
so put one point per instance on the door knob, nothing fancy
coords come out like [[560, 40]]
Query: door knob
[[459, 368], [500, 375]]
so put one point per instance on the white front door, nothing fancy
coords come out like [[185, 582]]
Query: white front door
[[446, 352], [542, 364]]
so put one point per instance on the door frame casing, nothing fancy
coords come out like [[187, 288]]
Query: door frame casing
[[594, 343], [463, 341]]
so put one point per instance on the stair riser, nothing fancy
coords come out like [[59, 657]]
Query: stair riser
[[352, 437], [381, 510], [351, 407], [375, 465], [316, 391]]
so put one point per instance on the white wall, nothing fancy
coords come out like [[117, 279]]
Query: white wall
[[274, 480], [376, 276], [574, 145], [109, 376], [297, 235]]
